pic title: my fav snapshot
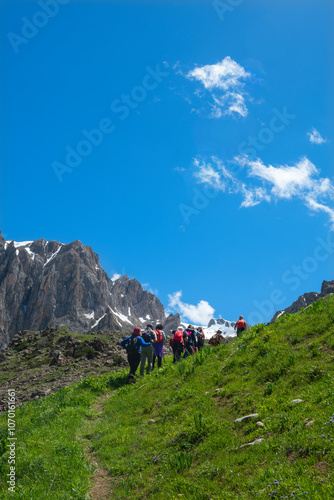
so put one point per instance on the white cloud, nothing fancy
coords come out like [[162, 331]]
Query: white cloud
[[225, 81], [286, 181], [199, 314], [206, 174], [324, 187], [216, 111], [257, 182], [314, 205], [231, 102], [224, 75], [315, 137], [253, 196], [237, 104]]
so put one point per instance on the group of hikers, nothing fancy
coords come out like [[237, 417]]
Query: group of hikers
[[149, 344]]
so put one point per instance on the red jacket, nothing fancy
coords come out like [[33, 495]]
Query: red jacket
[[241, 323]]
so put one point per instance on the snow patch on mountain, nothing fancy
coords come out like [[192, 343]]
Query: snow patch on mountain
[[115, 277], [98, 321], [226, 327], [18, 244], [53, 255], [90, 315], [32, 254], [120, 316]]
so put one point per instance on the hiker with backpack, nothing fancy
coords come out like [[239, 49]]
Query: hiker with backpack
[[218, 339], [158, 345], [190, 343], [240, 326], [149, 336], [177, 344], [133, 346], [200, 338]]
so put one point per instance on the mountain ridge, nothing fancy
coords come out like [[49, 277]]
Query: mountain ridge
[[305, 300], [48, 284], [52, 284]]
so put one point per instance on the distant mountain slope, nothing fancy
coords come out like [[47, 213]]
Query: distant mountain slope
[[226, 327], [50, 284], [327, 288]]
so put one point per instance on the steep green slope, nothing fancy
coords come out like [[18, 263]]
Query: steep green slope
[[173, 434]]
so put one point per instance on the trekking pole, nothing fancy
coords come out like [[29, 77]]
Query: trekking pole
[[235, 350]]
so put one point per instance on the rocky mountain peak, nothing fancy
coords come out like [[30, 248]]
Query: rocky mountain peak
[[306, 299], [2, 241], [50, 284], [327, 287]]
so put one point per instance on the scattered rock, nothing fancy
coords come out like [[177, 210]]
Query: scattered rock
[[60, 366], [57, 358], [260, 424], [246, 417], [297, 401], [151, 421], [37, 394], [43, 342], [214, 390], [309, 423], [256, 441]]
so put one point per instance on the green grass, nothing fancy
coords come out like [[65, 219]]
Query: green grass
[[194, 449], [50, 458]]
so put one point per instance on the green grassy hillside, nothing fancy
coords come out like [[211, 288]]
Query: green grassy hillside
[[174, 433]]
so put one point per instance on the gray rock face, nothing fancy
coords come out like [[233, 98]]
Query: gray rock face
[[49, 284], [306, 299], [327, 287], [172, 322]]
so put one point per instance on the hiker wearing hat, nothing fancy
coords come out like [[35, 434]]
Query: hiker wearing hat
[[240, 326], [218, 339], [177, 344], [200, 337], [133, 346], [189, 338], [158, 345], [148, 335]]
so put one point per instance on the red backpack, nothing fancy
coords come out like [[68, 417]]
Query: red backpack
[[241, 323], [178, 337], [159, 336]]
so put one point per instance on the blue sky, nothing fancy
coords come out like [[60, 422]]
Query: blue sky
[[189, 143]]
